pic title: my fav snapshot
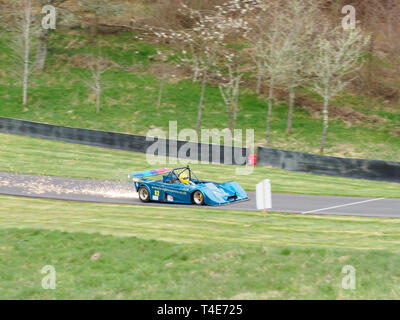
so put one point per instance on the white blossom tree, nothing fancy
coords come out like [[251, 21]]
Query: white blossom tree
[[202, 42], [336, 55], [257, 15], [230, 87]]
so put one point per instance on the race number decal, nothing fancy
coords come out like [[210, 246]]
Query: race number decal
[[156, 194]]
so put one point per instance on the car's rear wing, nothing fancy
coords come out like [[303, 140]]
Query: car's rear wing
[[148, 173]]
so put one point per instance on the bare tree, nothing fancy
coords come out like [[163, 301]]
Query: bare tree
[[280, 36], [229, 92], [272, 50], [163, 69], [259, 19], [299, 29], [337, 55], [97, 67], [21, 43], [26, 27], [160, 91], [259, 63]]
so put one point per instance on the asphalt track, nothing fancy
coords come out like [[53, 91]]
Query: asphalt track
[[122, 193]]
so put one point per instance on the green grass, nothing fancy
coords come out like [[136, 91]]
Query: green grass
[[154, 253], [21, 154], [157, 252], [59, 96], [191, 225]]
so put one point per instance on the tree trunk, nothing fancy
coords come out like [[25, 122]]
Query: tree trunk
[[259, 82], [98, 100], [325, 125], [236, 96], [160, 93], [27, 25], [200, 108], [230, 119], [271, 96], [196, 74], [196, 64], [93, 32], [291, 103], [41, 52], [370, 60]]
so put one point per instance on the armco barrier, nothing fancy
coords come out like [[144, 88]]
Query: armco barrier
[[342, 167], [288, 160], [121, 141]]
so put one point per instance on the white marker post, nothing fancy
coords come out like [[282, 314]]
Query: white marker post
[[263, 193]]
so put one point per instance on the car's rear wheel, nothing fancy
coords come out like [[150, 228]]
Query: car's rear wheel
[[144, 194], [198, 198]]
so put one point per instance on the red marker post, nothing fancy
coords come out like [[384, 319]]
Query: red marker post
[[252, 159]]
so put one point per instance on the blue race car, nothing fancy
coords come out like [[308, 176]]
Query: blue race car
[[181, 185]]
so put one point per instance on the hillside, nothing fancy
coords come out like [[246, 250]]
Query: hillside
[[363, 122]]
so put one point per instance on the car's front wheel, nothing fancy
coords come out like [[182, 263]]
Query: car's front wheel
[[198, 198], [144, 194]]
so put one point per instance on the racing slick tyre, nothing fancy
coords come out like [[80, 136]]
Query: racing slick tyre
[[198, 198], [144, 194]]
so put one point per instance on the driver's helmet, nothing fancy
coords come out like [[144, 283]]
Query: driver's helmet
[[184, 177]]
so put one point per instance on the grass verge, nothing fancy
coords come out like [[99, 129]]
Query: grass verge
[[37, 156], [157, 253]]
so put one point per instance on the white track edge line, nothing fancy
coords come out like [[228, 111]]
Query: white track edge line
[[343, 205]]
